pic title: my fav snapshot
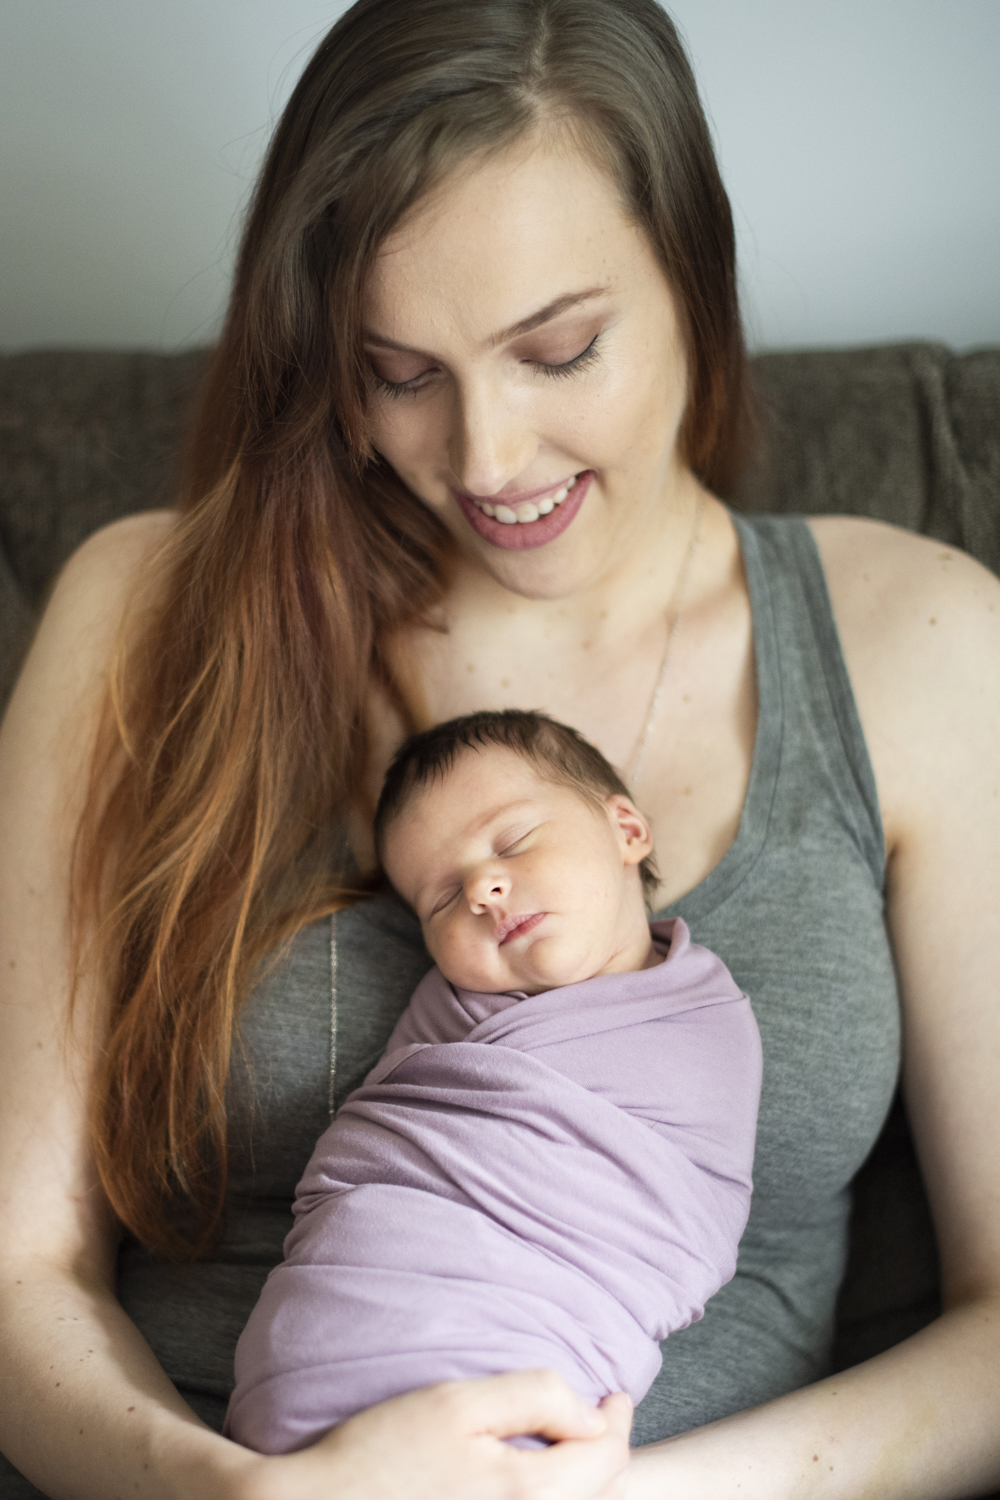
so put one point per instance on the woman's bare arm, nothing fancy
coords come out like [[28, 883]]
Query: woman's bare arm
[[85, 1405], [85, 1410], [920, 625]]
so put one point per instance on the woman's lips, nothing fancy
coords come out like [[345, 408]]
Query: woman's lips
[[515, 927], [518, 536]]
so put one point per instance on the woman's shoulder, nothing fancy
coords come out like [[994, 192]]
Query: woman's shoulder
[[112, 559], [110, 568], [919, 624], [66, 668], [905, 592], [863, 543]]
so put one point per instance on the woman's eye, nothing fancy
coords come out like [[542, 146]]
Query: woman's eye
[[587, 356], [400, 387], [416, 383]]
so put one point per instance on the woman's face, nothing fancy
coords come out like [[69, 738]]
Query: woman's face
[[530, 371]]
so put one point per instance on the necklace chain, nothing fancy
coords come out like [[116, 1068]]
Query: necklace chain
[[676, 599]]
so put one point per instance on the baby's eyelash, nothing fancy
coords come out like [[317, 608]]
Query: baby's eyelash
[[445, 901], [568, 367], [514, 844], [571, 366]]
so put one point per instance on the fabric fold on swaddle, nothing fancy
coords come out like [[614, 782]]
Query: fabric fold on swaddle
[[557, 1180]]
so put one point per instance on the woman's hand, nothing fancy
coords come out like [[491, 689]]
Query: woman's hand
[[446, 1443]]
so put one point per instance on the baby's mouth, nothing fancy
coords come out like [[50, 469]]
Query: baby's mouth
[[528, 510], [515, 927]]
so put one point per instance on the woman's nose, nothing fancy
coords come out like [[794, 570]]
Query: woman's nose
[[485, 889], [491, 442]]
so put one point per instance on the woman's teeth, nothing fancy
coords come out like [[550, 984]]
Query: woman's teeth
[[527, 510]]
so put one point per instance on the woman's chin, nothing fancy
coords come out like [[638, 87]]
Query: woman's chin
[[560, 570]]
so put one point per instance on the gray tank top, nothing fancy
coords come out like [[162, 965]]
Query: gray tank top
[[795, 908]]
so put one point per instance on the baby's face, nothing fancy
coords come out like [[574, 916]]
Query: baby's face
[[520, 884]]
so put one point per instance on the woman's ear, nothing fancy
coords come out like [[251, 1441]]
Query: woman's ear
[[631, 827]]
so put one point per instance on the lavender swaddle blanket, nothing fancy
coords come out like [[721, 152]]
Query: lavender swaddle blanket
[[557, 1180]]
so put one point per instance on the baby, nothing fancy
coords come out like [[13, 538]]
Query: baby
[[550, 1166]]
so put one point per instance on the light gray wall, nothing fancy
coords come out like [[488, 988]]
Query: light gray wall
[[860, 141]]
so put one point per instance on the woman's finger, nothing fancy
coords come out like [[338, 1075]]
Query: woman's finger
[[617, 1411], [524, 1401], [586, 1470], [445, 1442]]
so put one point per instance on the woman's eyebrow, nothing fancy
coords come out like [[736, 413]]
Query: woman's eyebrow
[[524, 325], [545, 314]]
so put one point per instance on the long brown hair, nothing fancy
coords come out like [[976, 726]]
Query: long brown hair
[[235, 731]]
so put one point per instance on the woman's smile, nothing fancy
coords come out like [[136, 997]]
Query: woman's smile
[[519, 523]]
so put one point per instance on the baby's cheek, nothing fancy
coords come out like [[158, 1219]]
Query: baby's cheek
[[436, 943], [457, 956]]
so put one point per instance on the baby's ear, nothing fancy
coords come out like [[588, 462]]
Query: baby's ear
[[632, 828]]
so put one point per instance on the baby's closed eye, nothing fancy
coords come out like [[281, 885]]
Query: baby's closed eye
[[509, 840], [444, 900]]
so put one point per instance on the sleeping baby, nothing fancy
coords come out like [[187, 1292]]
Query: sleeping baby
[[550, 1165]]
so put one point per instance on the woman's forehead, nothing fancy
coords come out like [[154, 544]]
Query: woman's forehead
[[499, 238]]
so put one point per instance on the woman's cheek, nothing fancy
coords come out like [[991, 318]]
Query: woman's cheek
[[393, 427], [596, 427], [603, 403], [409, 443]]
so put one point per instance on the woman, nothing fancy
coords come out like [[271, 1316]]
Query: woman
[[480, 390]]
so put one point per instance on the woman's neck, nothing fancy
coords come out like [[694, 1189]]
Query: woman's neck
[[589, 658]]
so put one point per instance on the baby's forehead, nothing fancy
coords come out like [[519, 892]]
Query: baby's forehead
[[478, 772], [482, 783]]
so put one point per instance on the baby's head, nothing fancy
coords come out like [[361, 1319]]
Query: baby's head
[[518, 847]]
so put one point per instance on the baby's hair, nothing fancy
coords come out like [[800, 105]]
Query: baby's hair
[[559, 753]]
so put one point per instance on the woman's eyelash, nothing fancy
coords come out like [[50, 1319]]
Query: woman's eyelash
[[393, 387], [396, 388], [571, 366], [567, 367]]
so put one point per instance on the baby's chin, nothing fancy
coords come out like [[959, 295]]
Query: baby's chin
[[546, 965]]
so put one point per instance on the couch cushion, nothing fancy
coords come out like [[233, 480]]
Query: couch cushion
[[85, 437], [909, 433]]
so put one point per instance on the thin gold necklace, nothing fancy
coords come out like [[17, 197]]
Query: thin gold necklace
[[676, 599]]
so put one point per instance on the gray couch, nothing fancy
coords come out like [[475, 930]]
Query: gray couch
[[909, 433]]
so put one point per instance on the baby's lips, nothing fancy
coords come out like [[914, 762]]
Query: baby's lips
[[511, 926]]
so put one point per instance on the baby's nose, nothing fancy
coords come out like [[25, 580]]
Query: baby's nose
[[485, 888]]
